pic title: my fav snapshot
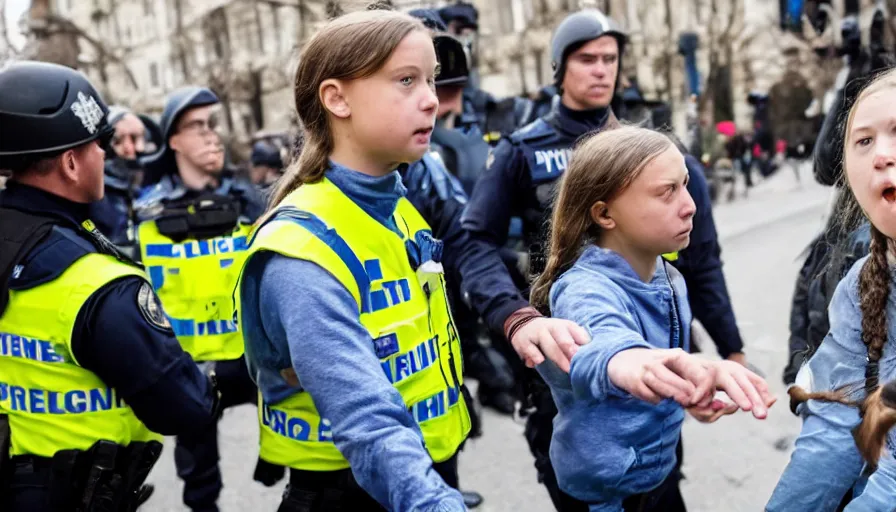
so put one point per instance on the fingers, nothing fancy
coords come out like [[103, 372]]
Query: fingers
[[767, 397], [758, 402], [579, 334], [694, 371], [531, 355], [644, 392], [549, 347], [725, 381], [666, 383]]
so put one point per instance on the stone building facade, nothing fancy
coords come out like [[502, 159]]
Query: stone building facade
[[246, 50]]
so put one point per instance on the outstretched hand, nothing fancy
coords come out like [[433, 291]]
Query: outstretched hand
[[552, 338], [657, 374]]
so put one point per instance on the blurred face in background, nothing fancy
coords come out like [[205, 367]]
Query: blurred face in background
[[129, 140]]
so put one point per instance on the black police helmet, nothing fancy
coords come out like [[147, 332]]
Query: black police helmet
[[577, 29], [452, 56], [46, 109], [462, 12], [430, 18], [267, 154]]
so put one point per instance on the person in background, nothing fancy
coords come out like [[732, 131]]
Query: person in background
[[83, 410], [113, 214], [267, 164], [194, 220]]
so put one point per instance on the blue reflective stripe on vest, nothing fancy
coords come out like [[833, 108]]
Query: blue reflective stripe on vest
[[330, 237]]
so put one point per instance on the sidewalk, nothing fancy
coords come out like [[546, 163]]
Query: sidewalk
[[772, 200]]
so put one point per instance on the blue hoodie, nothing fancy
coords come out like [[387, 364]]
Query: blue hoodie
[[608, 445], [825, 463]]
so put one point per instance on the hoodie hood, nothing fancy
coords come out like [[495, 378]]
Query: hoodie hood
[[162, 162]]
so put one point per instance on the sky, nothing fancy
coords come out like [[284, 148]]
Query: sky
[[14, 11]]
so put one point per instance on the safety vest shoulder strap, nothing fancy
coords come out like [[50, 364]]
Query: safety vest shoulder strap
[[308, 235], [20, 233]]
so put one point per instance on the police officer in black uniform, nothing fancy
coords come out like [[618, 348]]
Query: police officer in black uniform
[[52, 127], [267, 165], [195, 200], [586, 51], [113, 214], [494, 117]]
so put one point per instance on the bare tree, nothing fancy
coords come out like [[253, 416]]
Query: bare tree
[[54, 38], [7, 49]]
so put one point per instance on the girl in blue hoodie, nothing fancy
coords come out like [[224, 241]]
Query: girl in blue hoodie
[[622, 204], [845, 453]]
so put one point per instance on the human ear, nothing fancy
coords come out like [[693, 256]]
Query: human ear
[[332, 95], [600, 214], [70, 165], [173, 143]]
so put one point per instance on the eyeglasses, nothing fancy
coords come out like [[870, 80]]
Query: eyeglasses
[[201, 126]]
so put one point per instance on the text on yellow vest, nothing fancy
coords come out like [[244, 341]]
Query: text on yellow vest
[[194, 279], [52, 402], [405, 311]]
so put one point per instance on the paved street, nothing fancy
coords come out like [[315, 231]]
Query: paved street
[[730, 466]]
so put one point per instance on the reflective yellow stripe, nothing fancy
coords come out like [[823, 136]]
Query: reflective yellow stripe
[[195, 280], [671, 256], [53, 403]]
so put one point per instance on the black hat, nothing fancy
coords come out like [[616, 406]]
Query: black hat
[[452, 57], [430, 18], [462, 12], [46, 109], [265, 153]]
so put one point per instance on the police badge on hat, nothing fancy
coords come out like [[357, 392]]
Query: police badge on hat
[[88, 111], [151, 308]]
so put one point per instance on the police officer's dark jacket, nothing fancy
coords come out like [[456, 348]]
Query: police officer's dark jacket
[[121, 333], [520, 182], [113, 214]]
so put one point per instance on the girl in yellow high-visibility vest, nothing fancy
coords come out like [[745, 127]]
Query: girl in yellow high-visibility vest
[[342, 302]]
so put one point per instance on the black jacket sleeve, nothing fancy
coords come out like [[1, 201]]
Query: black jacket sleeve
[[799, 315], [115, 338], [496, 198], [701, 265]]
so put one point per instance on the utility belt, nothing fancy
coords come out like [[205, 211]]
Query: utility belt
[[320, 491], [205, 217], [106, 478], [338, 491]]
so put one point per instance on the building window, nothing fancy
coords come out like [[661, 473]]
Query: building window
[[519, 15], [148, 7], [154, 74]]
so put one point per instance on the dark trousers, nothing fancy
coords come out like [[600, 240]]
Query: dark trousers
[[27, 490], [196, 454], [338, 491], [539, 429]]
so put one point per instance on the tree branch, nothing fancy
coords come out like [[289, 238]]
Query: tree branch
[[9, 50], [66, 26]]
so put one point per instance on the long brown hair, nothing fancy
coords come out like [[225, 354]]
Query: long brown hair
[[601, 167], [352, 46], [878, 405]]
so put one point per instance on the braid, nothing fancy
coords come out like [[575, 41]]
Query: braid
[[874, 290]]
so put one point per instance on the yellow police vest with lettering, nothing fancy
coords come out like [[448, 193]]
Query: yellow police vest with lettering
[[405, 311], [53, 403], [194, 279]]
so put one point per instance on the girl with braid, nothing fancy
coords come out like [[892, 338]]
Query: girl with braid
[[844, 456], [622, 203]]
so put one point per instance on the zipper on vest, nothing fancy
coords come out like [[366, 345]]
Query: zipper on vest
[[428, 292]]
